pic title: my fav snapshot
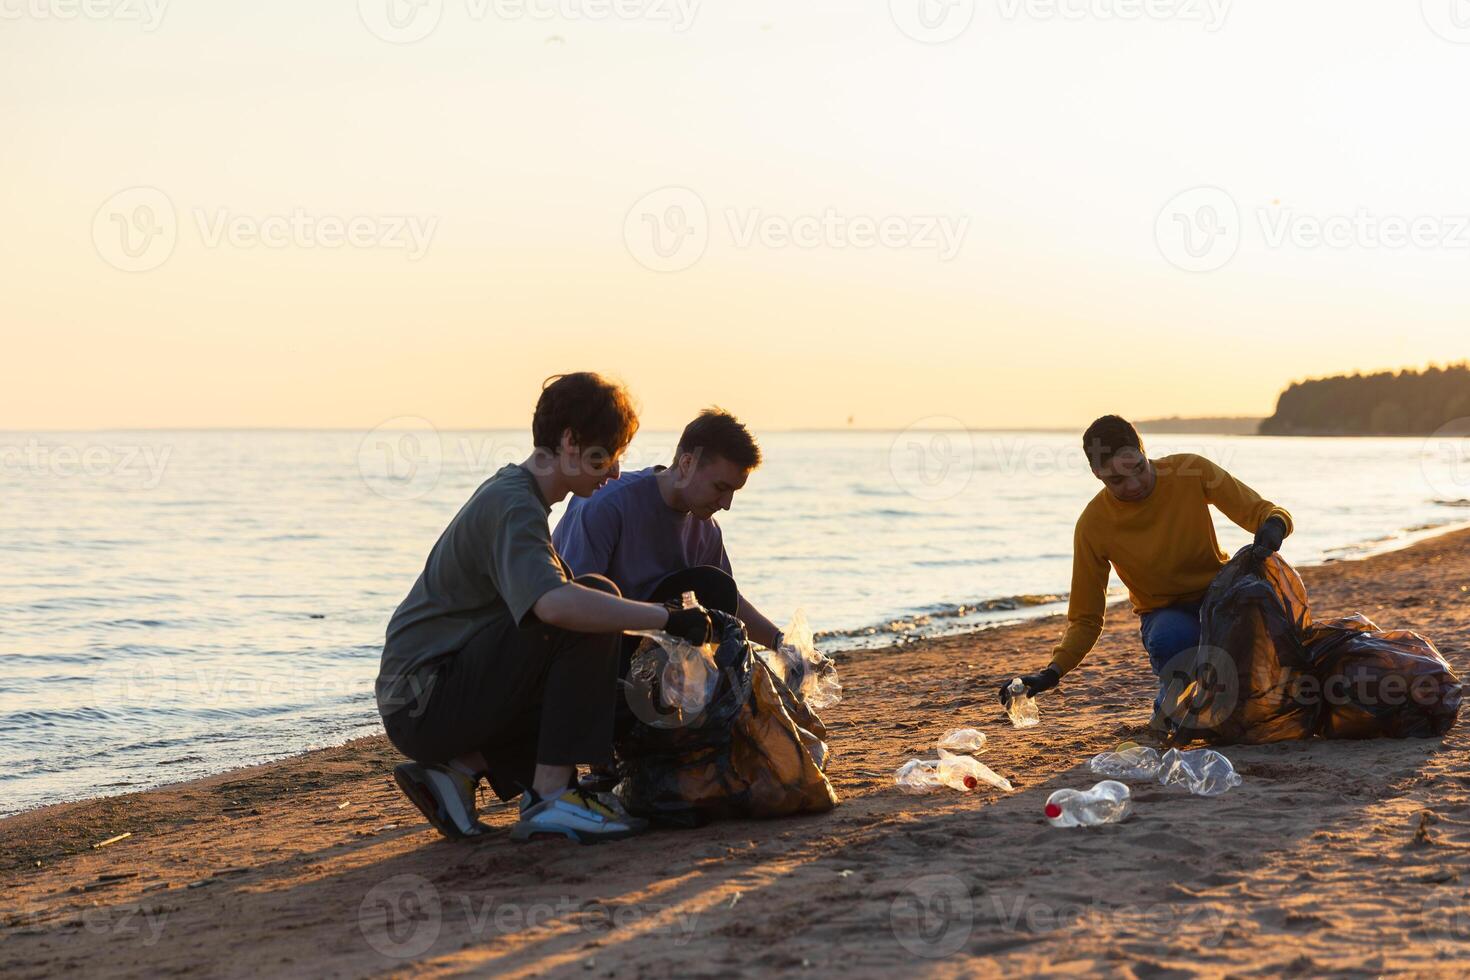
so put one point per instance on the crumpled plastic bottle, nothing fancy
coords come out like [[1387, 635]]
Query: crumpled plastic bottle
[[1021, 707], [810, 675], [968, 741], [959, 772], [1128, 761], [1205, 771], [1107, 802]]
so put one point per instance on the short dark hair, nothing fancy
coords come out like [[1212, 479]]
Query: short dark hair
[[718, 433], [1106, 437], [599, 413]]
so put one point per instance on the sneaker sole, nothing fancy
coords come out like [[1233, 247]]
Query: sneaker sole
[[424, 801], [522, 835]]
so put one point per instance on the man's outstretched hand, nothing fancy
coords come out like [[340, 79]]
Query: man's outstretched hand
[[691, 625], [1035, 684], [1269, 538]]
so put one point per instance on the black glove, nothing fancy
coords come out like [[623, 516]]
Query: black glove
[[1035, 684], [691, 625], [1269, 538]]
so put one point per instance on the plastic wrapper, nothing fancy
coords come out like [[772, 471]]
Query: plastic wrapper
[[812, 676], [1204, 771], [1264, 672], [1375, 683], [1127, 761], [752, 749]]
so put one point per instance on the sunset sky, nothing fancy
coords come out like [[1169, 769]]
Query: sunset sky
[[497, 175]]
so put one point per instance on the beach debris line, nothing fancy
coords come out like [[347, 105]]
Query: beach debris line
[[1107, 802], [1204, 771], [1021, 706]]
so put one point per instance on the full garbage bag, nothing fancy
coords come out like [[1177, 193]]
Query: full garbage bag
[[751, 748], [1239, 685], [1264, 672], [1376, 682]]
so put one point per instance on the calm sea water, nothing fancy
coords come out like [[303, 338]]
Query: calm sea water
[[176, 604]]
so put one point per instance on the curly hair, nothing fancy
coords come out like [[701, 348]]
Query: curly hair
[[599, 413]]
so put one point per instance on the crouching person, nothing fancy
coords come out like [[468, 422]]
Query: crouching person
[[499, 665]]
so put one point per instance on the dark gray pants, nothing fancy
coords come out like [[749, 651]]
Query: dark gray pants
[[518, 697]]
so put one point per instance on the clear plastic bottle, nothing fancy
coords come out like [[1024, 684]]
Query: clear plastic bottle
[[1205, 771], [968, 741], [918, 776], [1107, 802], [964, 773], [959, 772], [1128, 761], [1020, 706]]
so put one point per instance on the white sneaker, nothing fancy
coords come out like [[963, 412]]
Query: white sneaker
[[576, 815]]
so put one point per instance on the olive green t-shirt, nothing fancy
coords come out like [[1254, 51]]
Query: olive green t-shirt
[[488, 568]]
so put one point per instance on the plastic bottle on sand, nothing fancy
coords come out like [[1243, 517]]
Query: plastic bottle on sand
[[965, 773], [1107, 802]]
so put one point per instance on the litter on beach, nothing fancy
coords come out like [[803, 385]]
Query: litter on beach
[[1204, 772], [1021, 707]]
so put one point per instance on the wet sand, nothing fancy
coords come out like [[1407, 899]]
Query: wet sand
[[1341, 858]]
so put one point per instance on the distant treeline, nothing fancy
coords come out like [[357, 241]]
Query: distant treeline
[[1386, 404]]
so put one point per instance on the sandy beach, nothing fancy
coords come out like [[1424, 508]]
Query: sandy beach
[[1342, 858]]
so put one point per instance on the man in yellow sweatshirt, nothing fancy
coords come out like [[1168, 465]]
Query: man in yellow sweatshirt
[[1151, 522]]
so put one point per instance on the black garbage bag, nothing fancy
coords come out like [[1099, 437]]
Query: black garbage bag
[[718, 735], [1380, 683], [1265, 673], [1240, 684]]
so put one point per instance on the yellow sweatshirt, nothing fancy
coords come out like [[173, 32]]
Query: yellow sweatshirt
[[1163, 547]]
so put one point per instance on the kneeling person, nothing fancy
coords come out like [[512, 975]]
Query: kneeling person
[[499, 664], [1151, 522], [654, 533]]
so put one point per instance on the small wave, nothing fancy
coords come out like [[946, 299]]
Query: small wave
[[1462, 502]]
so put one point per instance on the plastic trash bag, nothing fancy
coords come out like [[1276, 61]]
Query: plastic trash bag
[[752, 750], [1127, 761], [1264, 672], [1205, 771], [1375, 683], [811, 675], [1239, 684]]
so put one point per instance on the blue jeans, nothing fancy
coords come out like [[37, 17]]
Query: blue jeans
[[1167, 633]]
